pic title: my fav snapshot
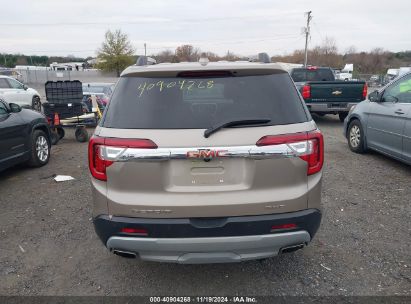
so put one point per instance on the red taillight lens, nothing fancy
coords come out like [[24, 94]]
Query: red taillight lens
[[364, 91], [284, 226], [306, 91], [312, 68], [98, 165], [137, 231], [315, 159], [315, 156]]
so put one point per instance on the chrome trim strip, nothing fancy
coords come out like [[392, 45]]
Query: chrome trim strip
[[164, 154]]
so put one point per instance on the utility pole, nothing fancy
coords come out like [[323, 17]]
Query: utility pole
[[145, 49], [307, 34]]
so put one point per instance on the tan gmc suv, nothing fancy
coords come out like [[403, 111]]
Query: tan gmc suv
[[206, 162]]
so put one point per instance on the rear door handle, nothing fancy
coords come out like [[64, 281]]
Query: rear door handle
[[399, 111]]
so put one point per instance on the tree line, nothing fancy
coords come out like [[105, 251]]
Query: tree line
[[117, 52], [376, 61]]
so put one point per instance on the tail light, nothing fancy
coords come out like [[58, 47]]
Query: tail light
[[102, 148], [309, 146], [364, 91], [306, 91]]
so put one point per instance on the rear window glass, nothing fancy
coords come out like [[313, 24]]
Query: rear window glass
[[300, 75], [199, 103]]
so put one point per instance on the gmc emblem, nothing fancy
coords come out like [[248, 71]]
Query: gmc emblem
[[206, 154]]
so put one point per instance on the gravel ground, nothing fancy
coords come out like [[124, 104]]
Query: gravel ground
[[48, 245]]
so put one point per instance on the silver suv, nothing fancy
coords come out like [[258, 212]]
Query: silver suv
[[206, 163]]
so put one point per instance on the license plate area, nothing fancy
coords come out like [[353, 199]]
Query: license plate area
[[339, 105], [216, 175]]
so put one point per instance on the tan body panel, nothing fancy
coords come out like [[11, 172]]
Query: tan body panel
[[218, 188]]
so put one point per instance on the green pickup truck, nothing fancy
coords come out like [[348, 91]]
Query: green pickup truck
[[325, 95]]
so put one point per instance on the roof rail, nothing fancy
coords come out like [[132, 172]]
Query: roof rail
[[145, 60]]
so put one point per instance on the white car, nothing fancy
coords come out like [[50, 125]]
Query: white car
[[14, 91]]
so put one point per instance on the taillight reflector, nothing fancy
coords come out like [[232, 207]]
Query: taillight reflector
[[315, 156], [98, 165], [306, 91], [139, 231], [284, 226]]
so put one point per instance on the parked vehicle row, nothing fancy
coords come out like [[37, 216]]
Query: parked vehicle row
[[211, 162]]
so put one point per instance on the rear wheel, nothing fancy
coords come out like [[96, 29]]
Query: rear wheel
[[54, 137], [355, 137], [81, 134], [36, 104], [40, 149], [342, 116], [61, 133]]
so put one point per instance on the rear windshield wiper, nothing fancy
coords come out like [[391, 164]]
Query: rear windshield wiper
[[240, 122]]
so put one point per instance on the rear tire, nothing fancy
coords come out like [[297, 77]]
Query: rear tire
[[342, 116], [54, 137], [40, 149], [81, 135], [61, 133], [355, 137], [36, 104]]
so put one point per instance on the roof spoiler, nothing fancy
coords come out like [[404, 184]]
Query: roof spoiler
[[261, 57], [145, 60]]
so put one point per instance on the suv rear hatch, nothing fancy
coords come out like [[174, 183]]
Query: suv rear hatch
[[165, 166]]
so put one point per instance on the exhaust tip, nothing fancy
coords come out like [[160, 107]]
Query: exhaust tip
[[292, 248], [125, 254]]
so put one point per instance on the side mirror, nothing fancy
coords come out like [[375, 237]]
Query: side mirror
[[374, 96], [25, 87], [15, 108]]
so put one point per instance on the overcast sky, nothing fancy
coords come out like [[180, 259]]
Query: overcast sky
[[62, 27]]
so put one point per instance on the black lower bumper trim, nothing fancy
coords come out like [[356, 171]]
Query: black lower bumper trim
[[308, 220]]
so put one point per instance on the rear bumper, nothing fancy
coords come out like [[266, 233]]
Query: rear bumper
[[325, 108], [208, 240], [209, 249]]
